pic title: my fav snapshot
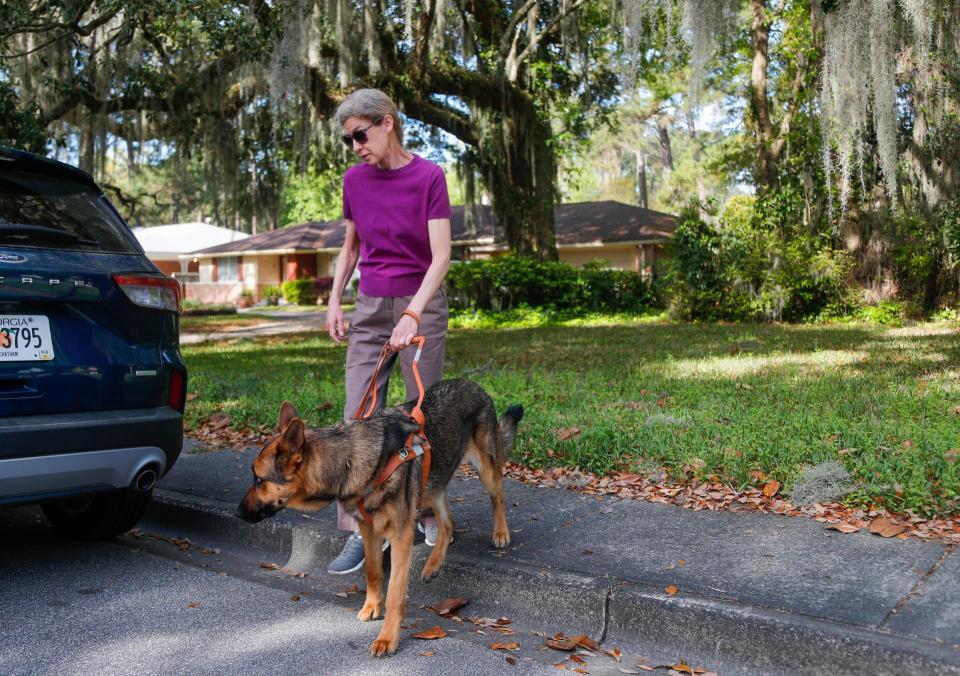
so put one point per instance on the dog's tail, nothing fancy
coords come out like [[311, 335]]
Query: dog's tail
[[508, 432]]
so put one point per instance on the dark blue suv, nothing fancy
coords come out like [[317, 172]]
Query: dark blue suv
[[92, 384]]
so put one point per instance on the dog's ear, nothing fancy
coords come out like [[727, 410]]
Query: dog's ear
[[290, 451], [287, 413], [396, 428]]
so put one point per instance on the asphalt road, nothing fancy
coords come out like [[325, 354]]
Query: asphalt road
[[141, 604]]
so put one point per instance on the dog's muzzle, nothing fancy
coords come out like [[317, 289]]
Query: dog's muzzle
[[249, 516]]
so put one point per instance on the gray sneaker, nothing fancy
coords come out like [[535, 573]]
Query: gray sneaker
[[430, 532], [352, 557]]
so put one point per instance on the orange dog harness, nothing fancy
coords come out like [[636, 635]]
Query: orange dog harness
[[416, 446]]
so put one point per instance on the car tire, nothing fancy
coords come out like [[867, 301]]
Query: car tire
[[99, 515]]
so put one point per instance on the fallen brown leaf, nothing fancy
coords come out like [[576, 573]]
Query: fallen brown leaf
[[427, 653], [295, 597], [586, 642], [568, 433], [614, 653], [683, 668], [560, 643], [449, 606], [671, 590], [431, 633], [771, 487], [269, 566], [511, 659], [513, 645], [886, 527], [193, 604], [843, 527], [577, 659]]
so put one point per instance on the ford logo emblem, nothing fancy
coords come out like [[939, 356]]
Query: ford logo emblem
[[12, 257]]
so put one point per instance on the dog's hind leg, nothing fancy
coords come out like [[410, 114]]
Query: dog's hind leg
[[441, 509], [373, 566], [401, 553], [485, 456]]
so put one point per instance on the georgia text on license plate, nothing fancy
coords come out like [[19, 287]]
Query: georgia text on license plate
[[25, 338]]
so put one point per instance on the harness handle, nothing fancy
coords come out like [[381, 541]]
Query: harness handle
[[417, 444], [368, 404]]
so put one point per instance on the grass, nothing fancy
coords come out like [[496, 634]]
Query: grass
[[700, 399], [209, 323]]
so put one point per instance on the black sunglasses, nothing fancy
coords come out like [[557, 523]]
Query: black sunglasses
[[358, 135]]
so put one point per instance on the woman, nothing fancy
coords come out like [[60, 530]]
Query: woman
[[398, 225]]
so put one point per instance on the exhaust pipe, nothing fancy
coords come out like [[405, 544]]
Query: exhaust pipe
[[145, 479]]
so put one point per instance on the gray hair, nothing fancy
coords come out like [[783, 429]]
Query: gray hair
[[371, 104]]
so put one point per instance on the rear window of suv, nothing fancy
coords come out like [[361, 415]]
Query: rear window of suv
[[53, 211]]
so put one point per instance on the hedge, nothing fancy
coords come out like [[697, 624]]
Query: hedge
[[299, 291], [507, 282]]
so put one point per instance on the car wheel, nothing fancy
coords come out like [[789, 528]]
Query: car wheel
[[99, 515]]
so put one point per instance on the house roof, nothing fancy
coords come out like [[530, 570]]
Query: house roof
[[304, 237], [578, 224], [160, 241]]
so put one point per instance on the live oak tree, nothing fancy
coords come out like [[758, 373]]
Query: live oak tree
[[250, 86]]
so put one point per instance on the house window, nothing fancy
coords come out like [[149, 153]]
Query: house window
[[227, 269]]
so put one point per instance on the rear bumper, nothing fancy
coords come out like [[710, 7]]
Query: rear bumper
[[54, 455]]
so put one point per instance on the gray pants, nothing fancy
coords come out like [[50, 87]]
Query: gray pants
[[373, 321]]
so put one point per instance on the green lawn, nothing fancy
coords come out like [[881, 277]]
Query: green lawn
[[699, 399]]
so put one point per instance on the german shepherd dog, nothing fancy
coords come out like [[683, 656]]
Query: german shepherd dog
[[306, 469]]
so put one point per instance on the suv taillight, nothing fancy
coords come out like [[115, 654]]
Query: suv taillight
[[159, 293], [177, 390]]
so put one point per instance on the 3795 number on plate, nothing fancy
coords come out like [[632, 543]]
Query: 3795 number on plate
[[25, 338]]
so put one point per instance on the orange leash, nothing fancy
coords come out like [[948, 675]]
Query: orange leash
[[416, 446]]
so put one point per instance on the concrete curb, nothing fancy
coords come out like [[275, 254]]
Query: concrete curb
[[728, 635]]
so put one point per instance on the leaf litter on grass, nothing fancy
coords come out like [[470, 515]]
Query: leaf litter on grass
[[716, 495]]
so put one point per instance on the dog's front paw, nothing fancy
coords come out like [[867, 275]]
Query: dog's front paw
[[372, 610], [384, 646], [501, 539], [430, 572]]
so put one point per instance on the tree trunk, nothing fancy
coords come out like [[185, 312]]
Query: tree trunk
[[520, 168], [663, 133], [759, 102], [642, 178]]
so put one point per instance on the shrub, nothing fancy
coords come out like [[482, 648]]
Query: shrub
[[755, 267], [272, 294], [509, 282], [323, 287], [299, 291], [887, 313]]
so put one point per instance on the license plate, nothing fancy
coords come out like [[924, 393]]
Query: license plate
[[25, 338]]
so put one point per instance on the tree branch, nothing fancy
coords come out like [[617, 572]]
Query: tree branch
[[535, 40]]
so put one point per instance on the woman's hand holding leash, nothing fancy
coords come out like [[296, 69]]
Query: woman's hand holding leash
[[405, 330]]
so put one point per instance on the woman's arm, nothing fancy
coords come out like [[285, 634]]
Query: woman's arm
[[346, 262], [406, 328]]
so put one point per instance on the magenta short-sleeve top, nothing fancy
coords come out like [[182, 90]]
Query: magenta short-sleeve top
[[390, 208]]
